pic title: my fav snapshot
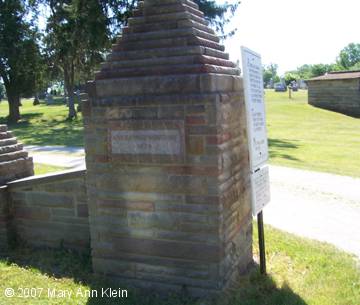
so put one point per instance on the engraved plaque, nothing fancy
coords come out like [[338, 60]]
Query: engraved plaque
[[146, 142]]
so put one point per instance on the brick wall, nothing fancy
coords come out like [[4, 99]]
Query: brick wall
[[51, 210], [337, 95], [3, 219]]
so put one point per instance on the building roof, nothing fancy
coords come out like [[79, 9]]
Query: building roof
[[338, 75]]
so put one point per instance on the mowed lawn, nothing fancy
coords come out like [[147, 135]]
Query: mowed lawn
[[306, 137], [300, 272], [45, 125], [300, 135]]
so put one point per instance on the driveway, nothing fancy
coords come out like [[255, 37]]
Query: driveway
[[320, 206]]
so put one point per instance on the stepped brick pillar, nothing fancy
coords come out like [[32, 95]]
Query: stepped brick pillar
[[14, 161], [167, 156], [14, 164]]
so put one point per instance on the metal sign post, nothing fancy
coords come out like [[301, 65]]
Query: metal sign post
[[258, 142], [261, 243]]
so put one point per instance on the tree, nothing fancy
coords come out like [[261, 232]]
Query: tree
[[355, 67], [77, 38], [20, 58], [218, 15], [321, 69], [290, 77], [81, 31], [2, 91], [350, 55], [270, 74]]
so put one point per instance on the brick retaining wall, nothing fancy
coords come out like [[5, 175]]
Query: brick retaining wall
[[3, 219], [51, 210], [338, 95]]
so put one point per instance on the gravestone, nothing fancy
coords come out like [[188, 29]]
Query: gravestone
[[49, 99], [14, 161], [167, 156]]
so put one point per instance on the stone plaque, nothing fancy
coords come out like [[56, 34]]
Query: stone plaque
[[260, 183], [255, 108], [146, 142]]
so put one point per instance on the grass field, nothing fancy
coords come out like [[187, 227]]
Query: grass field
[[307, 137], [299, 135], [45, 125], [301, 272]]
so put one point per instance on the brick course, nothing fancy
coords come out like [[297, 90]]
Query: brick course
[[51, 211], [171, 213]]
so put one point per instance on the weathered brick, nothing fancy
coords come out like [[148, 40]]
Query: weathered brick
[[82, 210], [195, 145], [195, 120]]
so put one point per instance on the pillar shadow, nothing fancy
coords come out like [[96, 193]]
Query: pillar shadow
[[253, 289], [257, 289]]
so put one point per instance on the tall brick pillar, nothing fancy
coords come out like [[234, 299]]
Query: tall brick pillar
[[167, 156]]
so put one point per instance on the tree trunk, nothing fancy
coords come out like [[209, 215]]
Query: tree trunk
[[14, 111], [72, 111], [36, 100], [69, 85]]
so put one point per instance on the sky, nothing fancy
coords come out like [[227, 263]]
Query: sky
[[292, 33]]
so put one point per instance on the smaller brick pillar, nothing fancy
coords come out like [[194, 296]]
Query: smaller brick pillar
[[14, 161], [3, 219]]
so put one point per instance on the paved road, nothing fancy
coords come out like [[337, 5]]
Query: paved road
[[62, 156], [320, 206]]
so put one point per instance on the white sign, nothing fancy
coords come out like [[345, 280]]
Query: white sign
[[260, 184], [255, 108], [256, 126]]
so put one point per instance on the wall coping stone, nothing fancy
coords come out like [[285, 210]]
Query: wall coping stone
[[47, 178]]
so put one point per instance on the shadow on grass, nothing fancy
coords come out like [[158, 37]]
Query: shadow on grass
[[355, 113], [253, 289], [55, 132], [25, 118], [282, 149]]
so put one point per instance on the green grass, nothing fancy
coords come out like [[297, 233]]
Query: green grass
[[301, 272], [307, 137], [45, 125], [41, 169], [300, 135]]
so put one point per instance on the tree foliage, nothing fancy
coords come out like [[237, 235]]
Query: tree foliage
[[218, 15], [309, 71], [270, 74], [20, 57], [348, 59], [2, 91], [77, 37], [349, 56], [290, 77]]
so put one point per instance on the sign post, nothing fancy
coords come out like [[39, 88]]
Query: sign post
[[258, 141]]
